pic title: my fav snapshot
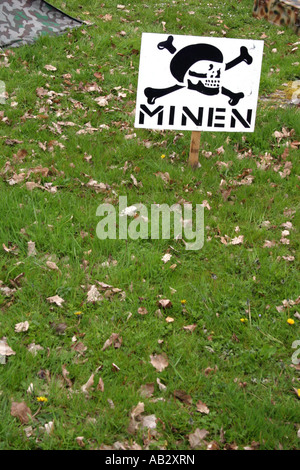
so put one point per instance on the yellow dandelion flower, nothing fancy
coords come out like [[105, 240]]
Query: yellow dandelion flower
[[162, 156], [183, 301], [77, 313], [243, 320], [290, 321], [298, 392], [42, 399]]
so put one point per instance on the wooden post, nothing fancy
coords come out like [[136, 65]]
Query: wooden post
[[194, 149]]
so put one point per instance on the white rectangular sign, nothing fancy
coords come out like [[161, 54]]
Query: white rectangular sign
[[197, 83]]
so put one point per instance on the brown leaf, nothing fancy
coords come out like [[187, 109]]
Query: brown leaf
[[269, 244], [208, 370], [21, 411], [85, 388], [147, 390], [196, 438], [115, 339], [94, 295], [59, 328], [213, 445], [190, 328], [169, 320], [135, 417], [202, 408], [5, 350], [65, 374], [142, 311], [149, 422], [237, 240], [137, 410], [164, 176], [159, 361], [100, 386], [80, 441], [254, 446], [23, 326], [161, 386], [30, 185], [183, 396], [56, 300], [115, 368], [79, 347], [165, 303], [33, 348], [52, 265], [50, 68]]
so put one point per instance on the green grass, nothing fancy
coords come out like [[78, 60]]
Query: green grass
[[219, 282]]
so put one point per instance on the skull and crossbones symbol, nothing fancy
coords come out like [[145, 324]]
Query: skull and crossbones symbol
[[199, 67]]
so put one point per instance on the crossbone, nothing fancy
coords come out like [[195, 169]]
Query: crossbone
[[195, 56]]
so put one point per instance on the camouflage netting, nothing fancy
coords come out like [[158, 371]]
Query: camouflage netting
[[280, 12], [23, 21]]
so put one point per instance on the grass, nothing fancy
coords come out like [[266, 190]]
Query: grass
[[250, 389]]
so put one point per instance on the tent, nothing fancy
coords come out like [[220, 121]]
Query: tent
[[280, 12], [23, 21]]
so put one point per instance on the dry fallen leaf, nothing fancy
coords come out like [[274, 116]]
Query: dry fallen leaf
[[52, 265], [208, 370], [115, 339], [49, 427], [206, 204], [19, 327], [56, 300], [80, 441], [159, 361], [190, 328], [94, 295], [202, 408], [166, 257], [169, 320], [106, 17], [254, 446], [100, 385], [149, 422], [196, 438], [33, 348], [164, 176], [110, 291], [65, 374], [142, 311], [50, 68], [213, 445], [237, 240], [147, 390], [7, 291], [85, 388], [269, 244], [183, 396], [79, 347], [135, 418], [5, 350], [165, 303], [21, 411], [161, 386], [31, 249]]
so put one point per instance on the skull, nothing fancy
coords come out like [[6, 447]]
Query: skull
[[199, 67], [207, 71]]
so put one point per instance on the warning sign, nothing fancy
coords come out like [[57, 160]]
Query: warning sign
[[198, 84]]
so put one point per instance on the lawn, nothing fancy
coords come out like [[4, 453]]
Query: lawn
[[103, 362]]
